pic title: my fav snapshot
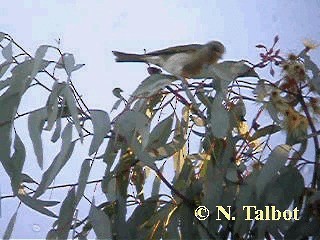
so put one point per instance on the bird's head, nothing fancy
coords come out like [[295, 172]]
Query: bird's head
[[216, 49]]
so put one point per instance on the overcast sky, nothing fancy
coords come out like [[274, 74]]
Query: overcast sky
[[92, 29]]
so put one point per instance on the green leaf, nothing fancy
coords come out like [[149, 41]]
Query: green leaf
[[177, 143], [172, 231], [160, 133], [312, 66], [142, 155], [228, 71], [152, 85], [101, 126], [38, 59], [143, 212], [116, 105], [36, 121], [213, 186], [2, 36], [59, 161], [17, 162], [66, 214], [100, 222], [7, 51], [187, 227], [52, 235], [9, 229], [267, 130], [71, 103], [276, 160], [219, 118], [77, 67], [83, 178], [246, 197], [3, 69], [109, 187], [37, 205], [156, 183], [285, 188], [132, 123], [232, 174], [68, 62], [26, 178], [9, 102], [110, 153], [57, 131], [52, 104]]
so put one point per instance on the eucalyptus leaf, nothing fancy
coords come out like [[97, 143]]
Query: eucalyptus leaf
[[10, 226], [52, 104], [17, 161], [219, 118], [101, 126], [100, 222], [152, 85], [36, 121], [82, 180], [228, 71], [66, 214], [58, 162], [276, 160], [3, 69], [161, 132], [71, 103], [7, 51], [267, 130], [132, 123], [36, 204]]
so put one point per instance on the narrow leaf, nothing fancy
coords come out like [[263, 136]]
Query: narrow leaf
[[68, 61], [17, 162], [267, 130], [36, 205], [101, 126], [9, 229], [58, 162], [160, 133], [57, 131], [52, 104], [3, 69], [71, 103], [100, 222], [40, 53], [66, 215], [219, 118], [7, 51], [153, 84], [276, 160], [83, 178], [36, 122]]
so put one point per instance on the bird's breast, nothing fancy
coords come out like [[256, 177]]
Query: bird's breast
[[176, 63]]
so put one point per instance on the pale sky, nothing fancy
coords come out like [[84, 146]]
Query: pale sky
[[92, 29]]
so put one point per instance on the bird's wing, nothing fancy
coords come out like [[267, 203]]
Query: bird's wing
[[177, 49]]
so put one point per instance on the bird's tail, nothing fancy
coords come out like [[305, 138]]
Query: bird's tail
[[128, 57]]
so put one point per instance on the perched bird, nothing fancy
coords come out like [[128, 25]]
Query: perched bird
[[185, 61]]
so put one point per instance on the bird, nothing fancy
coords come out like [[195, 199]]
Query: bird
[[186, 61]]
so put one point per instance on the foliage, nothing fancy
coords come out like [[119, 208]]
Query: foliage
[[219, 158]]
